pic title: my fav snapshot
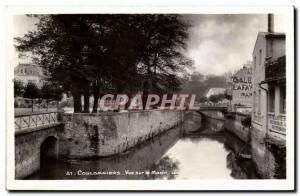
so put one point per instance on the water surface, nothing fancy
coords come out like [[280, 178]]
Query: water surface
[[180, 153]]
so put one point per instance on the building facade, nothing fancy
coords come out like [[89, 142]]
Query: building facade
[[268, 122], [242, 88], [269, 85], [29, 73]]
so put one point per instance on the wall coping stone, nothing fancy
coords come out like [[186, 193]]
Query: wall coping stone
[[117, 113]]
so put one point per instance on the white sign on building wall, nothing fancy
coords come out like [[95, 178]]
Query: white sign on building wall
[[242, 87]]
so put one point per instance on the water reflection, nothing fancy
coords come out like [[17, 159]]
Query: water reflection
[[205, 159], [181, 153]]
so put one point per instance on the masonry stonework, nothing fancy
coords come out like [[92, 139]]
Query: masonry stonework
[[27, 149], [233, 123], [89, 135]]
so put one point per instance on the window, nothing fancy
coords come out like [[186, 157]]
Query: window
[[254, 62], [282, 99], [259, 97], [260, 57], [272, 100]]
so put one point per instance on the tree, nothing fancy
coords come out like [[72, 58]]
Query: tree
[[196, 83], [229, 97], [51, 91], [18, 88], [203, 99], [45, 92], [59, 44], [164, 37], [92, 54], [213, 98], [56, 93], [32, 92]]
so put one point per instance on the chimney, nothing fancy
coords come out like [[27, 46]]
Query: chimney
[[270, 23]]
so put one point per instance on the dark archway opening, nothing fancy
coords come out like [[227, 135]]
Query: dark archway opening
[[48, 158], [49, 149]]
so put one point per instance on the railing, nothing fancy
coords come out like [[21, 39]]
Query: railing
[[275, 70], [34, 120], [213, 107], [207, 105]]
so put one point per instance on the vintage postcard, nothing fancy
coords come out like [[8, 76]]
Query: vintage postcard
[[157, 98]]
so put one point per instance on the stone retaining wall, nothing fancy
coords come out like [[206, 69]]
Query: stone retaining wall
[[233, 123], [268, 155], [89, 135]]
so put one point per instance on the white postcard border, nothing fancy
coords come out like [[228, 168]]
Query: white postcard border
[[13, 184]]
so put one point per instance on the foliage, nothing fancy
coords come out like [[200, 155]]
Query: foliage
[[197, 83], [31, 91], [203, 99], [93, 54], [216, 98], [51, 91], [228, 96], [18, 88], [46, 91], [247, 122]]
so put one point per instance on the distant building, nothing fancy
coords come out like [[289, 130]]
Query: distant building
[[29, 73], [215, 91], [242, 87], [269, 85]]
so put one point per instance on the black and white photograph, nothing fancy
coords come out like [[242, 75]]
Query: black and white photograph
[[151, 99]]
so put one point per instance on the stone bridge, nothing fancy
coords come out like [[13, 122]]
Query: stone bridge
[[216, 112], [36, 139]]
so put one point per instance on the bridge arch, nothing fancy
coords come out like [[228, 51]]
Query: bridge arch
[[49, 149], [214, 113]]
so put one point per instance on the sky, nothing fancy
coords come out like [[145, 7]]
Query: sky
[[218, 43]]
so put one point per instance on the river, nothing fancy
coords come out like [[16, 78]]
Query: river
[[207, 152]]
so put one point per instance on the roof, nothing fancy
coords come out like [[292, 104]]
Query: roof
[[260, 34], [269, 35], [243, 70], [32, 70], [215, 91]]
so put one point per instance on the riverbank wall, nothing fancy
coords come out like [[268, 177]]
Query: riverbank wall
[[233, 123], [268, 154], [90, 135]]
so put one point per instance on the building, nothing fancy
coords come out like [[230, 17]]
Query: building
[[269, 94], [29, 73], [242, 87], [269, 103], [214, 91]]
